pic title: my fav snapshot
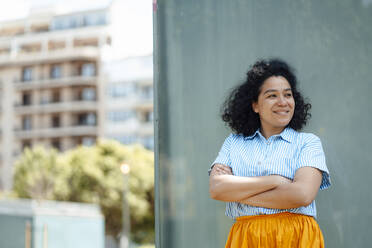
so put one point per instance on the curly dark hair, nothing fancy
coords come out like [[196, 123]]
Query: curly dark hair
[[237, 110]]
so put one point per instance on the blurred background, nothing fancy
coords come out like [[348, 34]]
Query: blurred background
[[76, 114]]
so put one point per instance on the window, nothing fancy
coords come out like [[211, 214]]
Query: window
[[79, 20], [121, 90], [126, 139], [91, 119], [56, 144], [56, 96], [44, 99], [88, 141], [56, 121], [148, 142], [94, 19], [56, 71], [87, 119], [88, 94], [26, 123], [66, 22], [147, 92], [88, 70], [149, 116], [26, 99], [26, 143], [120, 116], [27, 74]]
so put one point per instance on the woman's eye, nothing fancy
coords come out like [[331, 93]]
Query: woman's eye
[[288, 95], [272, 96]]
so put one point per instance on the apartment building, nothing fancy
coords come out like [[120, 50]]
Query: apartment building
[[129, 100], [53, 89]]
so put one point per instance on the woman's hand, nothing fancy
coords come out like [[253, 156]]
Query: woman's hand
[[301, 192], [224, 186], [220, 169]]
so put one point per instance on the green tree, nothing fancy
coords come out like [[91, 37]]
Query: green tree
[[38, 173], [92, 175]]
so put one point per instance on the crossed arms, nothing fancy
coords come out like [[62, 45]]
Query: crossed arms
[[272, 191]]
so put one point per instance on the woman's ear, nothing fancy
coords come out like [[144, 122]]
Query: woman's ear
[[255, 107]]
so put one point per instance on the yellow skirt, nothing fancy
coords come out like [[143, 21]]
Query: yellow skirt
[[283, 230]]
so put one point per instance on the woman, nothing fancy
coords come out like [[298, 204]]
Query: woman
[[267, 171]]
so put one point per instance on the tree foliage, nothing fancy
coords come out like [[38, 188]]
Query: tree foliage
[[92, 175]]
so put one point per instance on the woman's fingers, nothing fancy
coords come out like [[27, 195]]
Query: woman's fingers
[[221, 169]]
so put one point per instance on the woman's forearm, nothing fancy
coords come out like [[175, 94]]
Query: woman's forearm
[[284, 196], [233, 188], [301, 192]]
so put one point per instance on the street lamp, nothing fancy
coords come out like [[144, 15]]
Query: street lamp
[[125, 240]]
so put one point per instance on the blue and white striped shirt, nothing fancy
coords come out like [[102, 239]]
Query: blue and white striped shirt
[[281, 154]]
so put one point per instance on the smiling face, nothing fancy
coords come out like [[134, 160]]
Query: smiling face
[[275, 105]]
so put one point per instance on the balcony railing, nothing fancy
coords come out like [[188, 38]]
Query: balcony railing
[[49, 56], [56, 107], [145, 129], [76, 130], [56, 82], [144, 104]]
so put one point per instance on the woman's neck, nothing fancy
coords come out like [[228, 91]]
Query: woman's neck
[[268, 132]]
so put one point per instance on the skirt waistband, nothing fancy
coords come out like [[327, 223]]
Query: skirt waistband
[[269, 216]]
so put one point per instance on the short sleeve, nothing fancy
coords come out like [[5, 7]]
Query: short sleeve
[[312, 155], [224, 154]]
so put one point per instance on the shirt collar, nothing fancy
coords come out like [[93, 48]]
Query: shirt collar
[[287, 134], [253, 135]]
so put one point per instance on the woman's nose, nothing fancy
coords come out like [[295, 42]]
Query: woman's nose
[[282, 100]]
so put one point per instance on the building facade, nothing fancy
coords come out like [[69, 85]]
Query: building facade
[[129, 101], [53, 89]]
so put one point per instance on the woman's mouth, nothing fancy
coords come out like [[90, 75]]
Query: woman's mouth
[[284, 112]]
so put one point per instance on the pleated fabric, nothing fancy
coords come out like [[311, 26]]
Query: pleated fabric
[[282, 230]]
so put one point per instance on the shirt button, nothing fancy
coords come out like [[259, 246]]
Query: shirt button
[[259, 162]]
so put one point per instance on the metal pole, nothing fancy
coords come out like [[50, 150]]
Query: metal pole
[[45, 236], [125, 236], [28, 235]]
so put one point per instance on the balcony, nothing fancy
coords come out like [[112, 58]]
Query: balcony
[[54, 56], [57, 82], [77, 130], [146, 129], [57, 107], [144, 104]]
